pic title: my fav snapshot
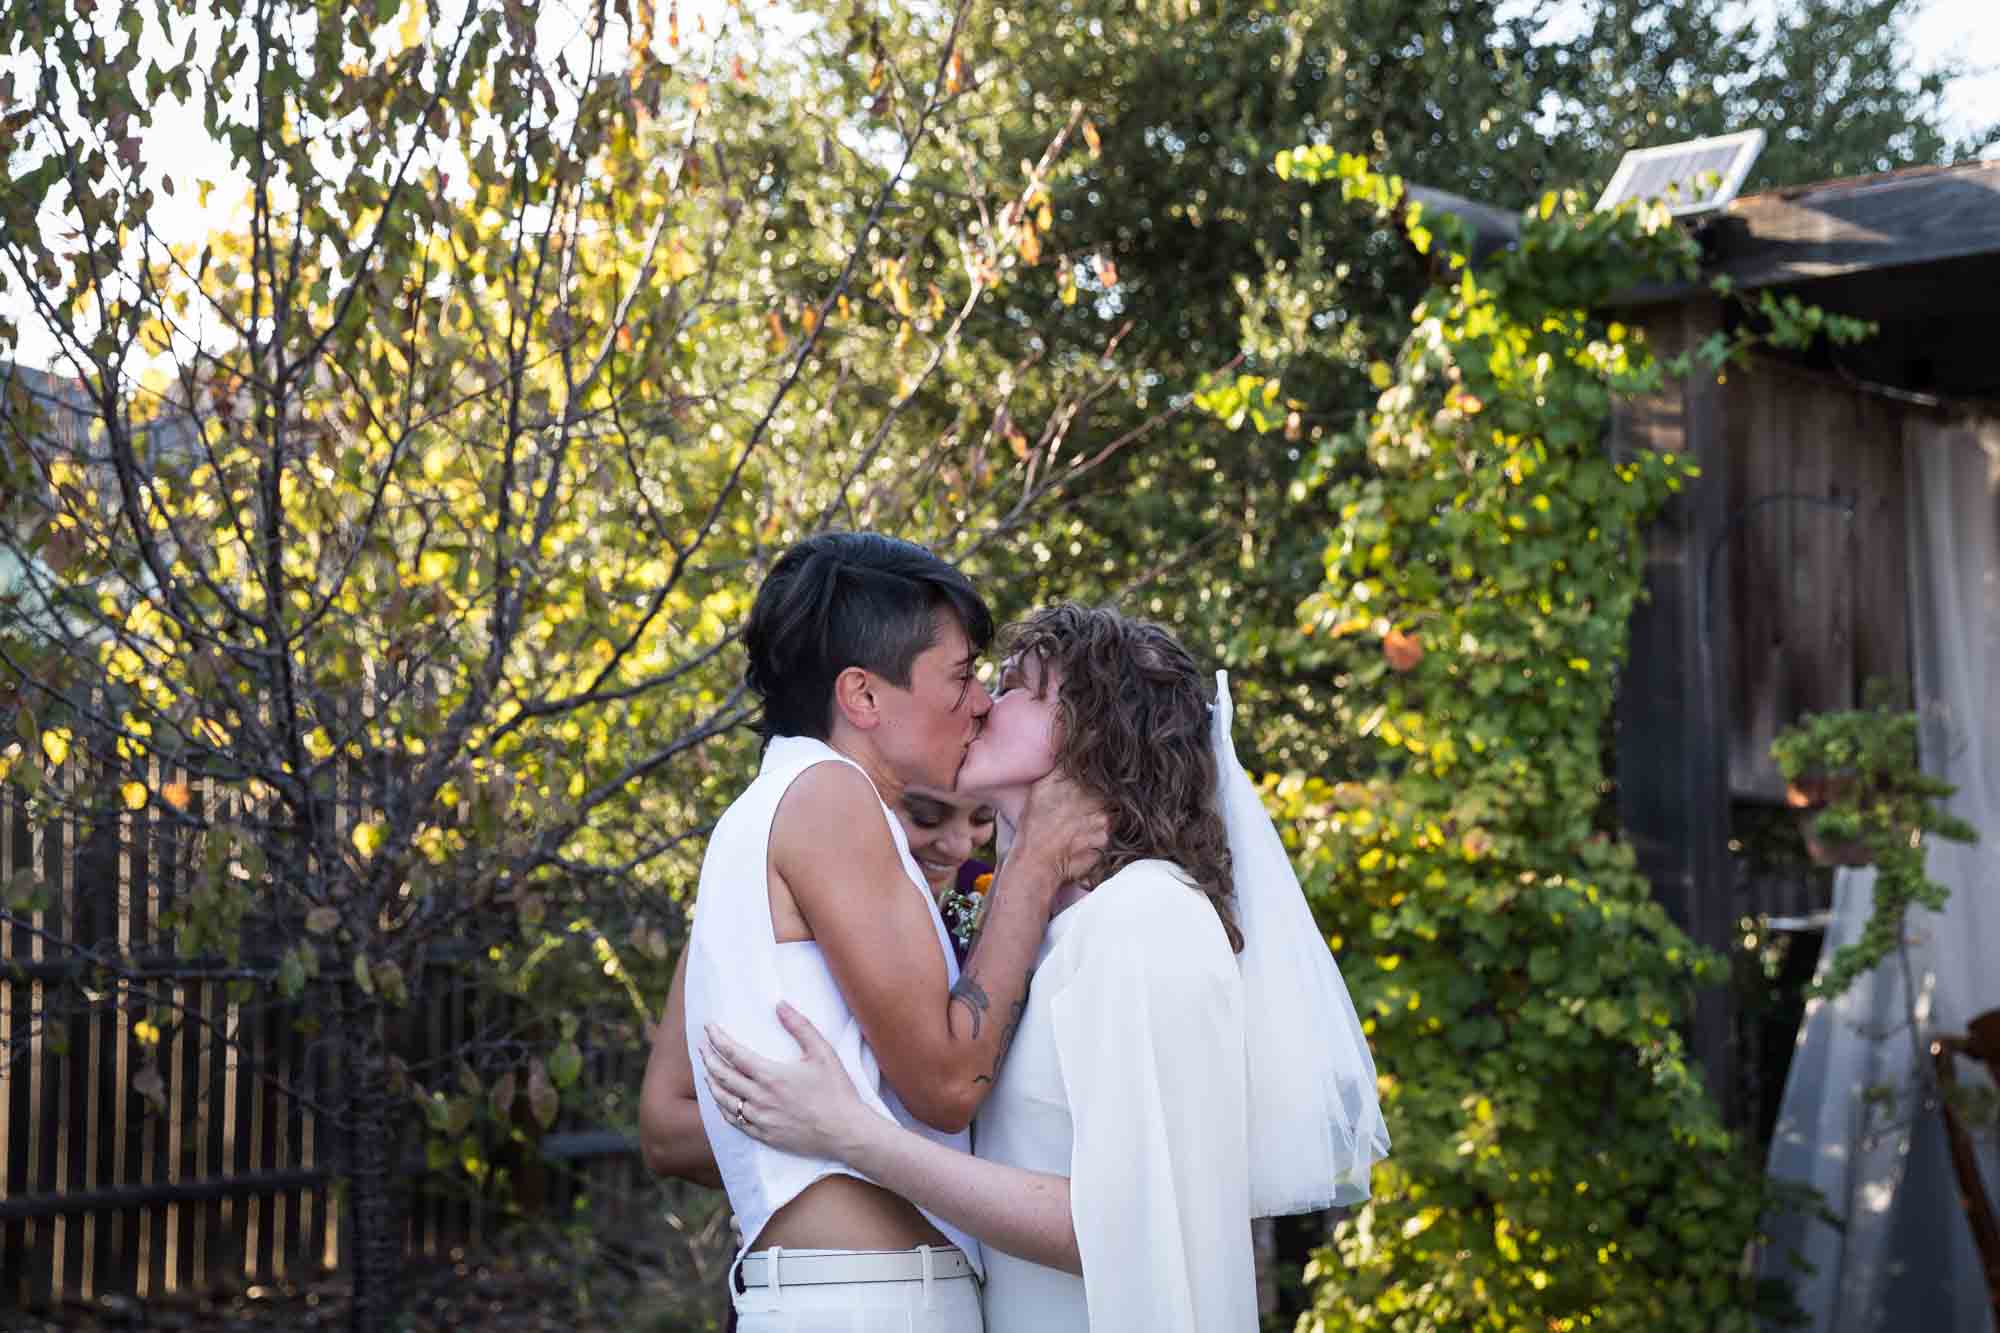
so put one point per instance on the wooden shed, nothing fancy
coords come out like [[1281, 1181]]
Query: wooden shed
[[1780, 584]]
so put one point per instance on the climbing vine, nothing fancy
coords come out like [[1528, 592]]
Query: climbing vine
[[1558, 1162]]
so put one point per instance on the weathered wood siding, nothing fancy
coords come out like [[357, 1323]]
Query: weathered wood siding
[[1672, 708], [1819, 601]]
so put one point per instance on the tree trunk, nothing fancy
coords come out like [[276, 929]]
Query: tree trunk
[[374, 1193]]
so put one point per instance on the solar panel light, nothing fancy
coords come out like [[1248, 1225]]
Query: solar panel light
[[1692, 179]]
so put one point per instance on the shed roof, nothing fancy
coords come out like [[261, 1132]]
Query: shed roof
[[1918, 215]]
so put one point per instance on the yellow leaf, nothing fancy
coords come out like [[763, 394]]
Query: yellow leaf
[[55, 744], [134, 794], [412, 27], [1090, 137], [1031, 244], [679, 263], [369, 837]]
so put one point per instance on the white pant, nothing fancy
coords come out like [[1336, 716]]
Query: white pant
[[933, 1305]]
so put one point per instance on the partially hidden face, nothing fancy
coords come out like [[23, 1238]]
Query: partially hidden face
[[928, 726], [944, 831], [1017, 744]]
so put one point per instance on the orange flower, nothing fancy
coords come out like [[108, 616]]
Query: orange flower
[[982, 883]]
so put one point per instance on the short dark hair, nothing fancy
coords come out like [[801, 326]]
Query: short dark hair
[[845, 599]]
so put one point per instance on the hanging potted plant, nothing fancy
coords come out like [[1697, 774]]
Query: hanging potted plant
[[1811, 793], [1865, 800]]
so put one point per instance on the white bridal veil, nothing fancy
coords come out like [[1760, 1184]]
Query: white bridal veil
[[1316, 1128]]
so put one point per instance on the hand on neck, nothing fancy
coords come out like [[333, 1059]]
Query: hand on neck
[[1008, 807]]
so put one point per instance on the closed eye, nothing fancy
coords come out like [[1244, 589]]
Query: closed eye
[[924, 813]]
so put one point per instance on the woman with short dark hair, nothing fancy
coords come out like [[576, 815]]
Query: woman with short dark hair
[[1187, 1058], [864, 651]]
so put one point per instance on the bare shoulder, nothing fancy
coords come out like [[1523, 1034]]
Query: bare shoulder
[[830, 820], [830, 795]]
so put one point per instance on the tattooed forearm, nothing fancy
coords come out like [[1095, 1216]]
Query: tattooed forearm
[[1013, 1026], [968, 992], [1007, 1033]]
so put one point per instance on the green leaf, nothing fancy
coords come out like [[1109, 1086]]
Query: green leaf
[[543, 1101], [291, 975], [565, 1063]]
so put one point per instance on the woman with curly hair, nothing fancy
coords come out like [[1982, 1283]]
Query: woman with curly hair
[[1186, 1058]]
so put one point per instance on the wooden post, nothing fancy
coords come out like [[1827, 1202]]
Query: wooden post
[[1672, 713]]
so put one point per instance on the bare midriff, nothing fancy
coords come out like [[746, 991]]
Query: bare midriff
[[842, 1212]]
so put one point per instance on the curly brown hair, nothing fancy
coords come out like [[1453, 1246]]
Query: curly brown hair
[[1132, 726]]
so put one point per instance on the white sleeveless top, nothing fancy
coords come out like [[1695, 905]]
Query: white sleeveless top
[[737, 972]]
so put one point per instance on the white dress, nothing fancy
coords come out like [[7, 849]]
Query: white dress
[[1127, 1076]]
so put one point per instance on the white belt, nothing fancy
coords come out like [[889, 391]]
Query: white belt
[[805, 1270]]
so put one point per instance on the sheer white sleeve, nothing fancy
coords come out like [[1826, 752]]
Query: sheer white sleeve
[[1149, 1035]]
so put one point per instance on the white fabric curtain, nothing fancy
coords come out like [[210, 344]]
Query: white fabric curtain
[[1905, 1259]]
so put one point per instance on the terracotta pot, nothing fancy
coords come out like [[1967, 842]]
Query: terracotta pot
[[1808, 794], [1837, 853], [1810, 791]]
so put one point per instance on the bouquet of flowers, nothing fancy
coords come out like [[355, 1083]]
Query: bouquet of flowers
[[963, 905]]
